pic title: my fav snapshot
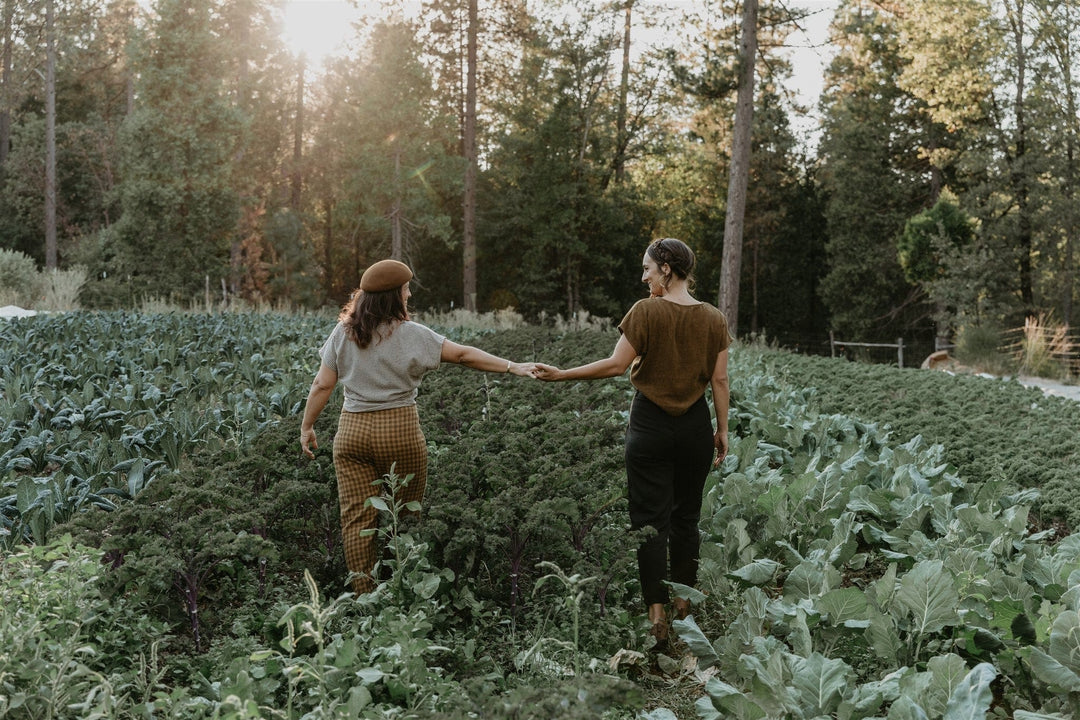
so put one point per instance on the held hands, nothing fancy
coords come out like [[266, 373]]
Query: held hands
[[544, 372], [522, 369], [540, 371]]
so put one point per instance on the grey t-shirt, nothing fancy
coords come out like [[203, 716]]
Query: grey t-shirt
[[387, 372]]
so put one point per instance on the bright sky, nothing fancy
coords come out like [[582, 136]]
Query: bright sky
[[809, 58], [318, 28]]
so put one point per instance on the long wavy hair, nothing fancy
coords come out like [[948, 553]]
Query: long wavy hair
[[370, 316]]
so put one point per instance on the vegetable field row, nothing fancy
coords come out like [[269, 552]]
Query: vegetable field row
[[850, 568]]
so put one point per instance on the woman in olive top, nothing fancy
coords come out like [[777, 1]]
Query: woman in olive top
[[676, 347], [380, 356]]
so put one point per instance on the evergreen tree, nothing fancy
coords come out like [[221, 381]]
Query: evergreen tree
[[89, 104], [874, 179], [178, 202], [1060, 24], [389, 172], [566, 243]]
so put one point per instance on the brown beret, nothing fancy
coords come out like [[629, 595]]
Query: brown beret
[[385, 275]]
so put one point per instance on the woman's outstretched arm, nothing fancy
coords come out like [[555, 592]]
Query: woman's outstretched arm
[[477, 359], [613, 366]]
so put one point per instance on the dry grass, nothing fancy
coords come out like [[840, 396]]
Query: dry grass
[[1045, 350], [60, 289], [505, 319]]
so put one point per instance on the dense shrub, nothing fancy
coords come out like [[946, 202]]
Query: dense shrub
[[20, 283], [69, 649], [233, 527]]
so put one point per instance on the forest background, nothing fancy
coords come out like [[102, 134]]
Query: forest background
[[198, 159]]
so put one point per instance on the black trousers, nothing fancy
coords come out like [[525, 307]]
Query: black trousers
[[667, 461]]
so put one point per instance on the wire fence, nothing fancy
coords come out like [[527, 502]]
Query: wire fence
[[1043, 350], [1038, 349], [904, 352]]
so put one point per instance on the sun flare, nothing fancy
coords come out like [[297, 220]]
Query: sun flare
[[317, 28]]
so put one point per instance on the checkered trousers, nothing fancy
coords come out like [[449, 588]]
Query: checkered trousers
[[366, 445]]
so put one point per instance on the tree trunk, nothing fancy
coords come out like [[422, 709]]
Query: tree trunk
[[1063, 55], [395, 213], [469, 133], [5, 84], [50, 137], [740, 170], [755, 270], [328, 245], [298, 139], [1019, 174], [1069, 191], [624, 92]]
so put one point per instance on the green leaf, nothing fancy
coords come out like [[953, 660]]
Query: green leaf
[[1025, 715], [370, 675], [695, 640], [704, 705], [843, 604], [906, 709], [758, 572], [799, 637], [1051, 672], [868, 697], [377, 502], [927, 594], [884, 638], [428, 586], [933, 688], [1065, 640], [359, 698], [820, 682], [1023, 630], [972, 697], [727, 698], [658, 714], [805, 582], [986, 641], [695, 596], [884, 588]]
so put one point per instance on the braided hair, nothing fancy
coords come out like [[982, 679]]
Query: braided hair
[[676, 255]]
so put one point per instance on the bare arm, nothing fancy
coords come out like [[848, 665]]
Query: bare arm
[[321, 389], [721, 395], [613, 366], [477, 359]]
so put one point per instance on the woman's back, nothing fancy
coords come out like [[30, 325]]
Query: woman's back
[[387, 373]]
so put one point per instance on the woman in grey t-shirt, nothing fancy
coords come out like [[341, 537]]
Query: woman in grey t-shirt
[[380, 356]]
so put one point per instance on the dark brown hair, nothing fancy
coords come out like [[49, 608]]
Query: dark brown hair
[[675, 254], [367, 312]]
